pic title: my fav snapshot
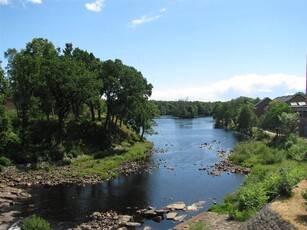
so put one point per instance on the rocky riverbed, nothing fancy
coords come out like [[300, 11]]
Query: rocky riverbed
[[41, 174], [10, 197]]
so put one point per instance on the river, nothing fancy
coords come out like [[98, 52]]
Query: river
[[184, 144]]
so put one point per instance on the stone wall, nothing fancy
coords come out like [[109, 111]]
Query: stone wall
[[266, 219]]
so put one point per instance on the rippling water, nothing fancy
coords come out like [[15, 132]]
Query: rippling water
[[182, 143]]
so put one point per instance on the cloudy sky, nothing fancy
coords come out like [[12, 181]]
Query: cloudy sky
[[197, 49]]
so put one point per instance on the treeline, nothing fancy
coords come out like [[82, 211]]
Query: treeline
[[185, 109], [66, 96]]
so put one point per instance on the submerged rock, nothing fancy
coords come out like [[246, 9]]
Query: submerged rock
[[171, 215], [176, 206]]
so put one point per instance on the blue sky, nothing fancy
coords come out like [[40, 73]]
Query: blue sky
[[197, 49]]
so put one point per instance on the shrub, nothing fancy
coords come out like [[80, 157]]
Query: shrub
[[35, 223], [66, 161], [298, 152], [249, 199], [282, 182], [4, 161], [304, 194]]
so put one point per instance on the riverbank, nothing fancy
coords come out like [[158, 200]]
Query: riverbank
[[282, 213], [85, 169]]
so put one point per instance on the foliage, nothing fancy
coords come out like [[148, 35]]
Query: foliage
[[273, 175], [296, 148], [4, 161], [227, 114], [247, 119], [58, 97], [185, 108], [35, 223], [281, 183], [288, 123], [250, 153], [271, 119]]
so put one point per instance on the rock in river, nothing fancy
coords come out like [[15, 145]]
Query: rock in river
[[176, 206]]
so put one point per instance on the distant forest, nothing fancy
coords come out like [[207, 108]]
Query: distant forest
[[186, 109]]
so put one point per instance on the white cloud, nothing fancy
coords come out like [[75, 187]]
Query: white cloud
[[147, 18], [4, 2], [142, 20], [95, 6], [35, 1], [241, 85]]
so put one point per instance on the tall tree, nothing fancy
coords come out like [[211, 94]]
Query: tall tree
[[247, 119], [111, 86], [4, 90]]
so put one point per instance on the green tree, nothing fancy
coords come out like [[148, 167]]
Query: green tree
[[288, 123], [91, 82], [247, 119], [111, 85], [4, 90], [270, 120]]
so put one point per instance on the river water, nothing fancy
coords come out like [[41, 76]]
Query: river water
[[181, 143]]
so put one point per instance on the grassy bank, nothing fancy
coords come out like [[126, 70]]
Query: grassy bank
[[104, 165], [277, 166]]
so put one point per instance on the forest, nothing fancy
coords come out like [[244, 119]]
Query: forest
[[68, 101], [185, 109]]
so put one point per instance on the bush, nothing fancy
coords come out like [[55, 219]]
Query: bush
[[35, 223], [66, 161], [282, 182], [248, 200], [4, 161], [304, 194]]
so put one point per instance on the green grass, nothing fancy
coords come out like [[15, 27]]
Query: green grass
[[88, 165]]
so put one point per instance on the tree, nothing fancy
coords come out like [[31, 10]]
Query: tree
[[91, 82], [109, 76], [271, 120], [247, 119], [288, 123], [4, 89]]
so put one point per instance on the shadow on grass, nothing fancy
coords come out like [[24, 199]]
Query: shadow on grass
[[105, 153]]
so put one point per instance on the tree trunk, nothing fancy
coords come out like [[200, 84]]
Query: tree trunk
[[99, 114], [92, 113]]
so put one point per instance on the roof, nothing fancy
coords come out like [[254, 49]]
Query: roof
[[284, 98], [263, 100]]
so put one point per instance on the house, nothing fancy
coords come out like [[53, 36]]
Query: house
[[297, 103], [262, 105], [292, 100]]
